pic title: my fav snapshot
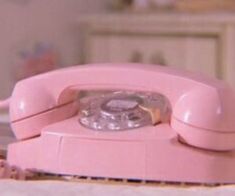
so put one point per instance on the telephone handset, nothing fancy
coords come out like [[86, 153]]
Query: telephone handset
[[151, 112], [200, 108]]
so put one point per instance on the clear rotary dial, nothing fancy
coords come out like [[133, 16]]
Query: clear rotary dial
[[123, 110]]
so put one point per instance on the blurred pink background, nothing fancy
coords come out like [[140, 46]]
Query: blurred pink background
[[24, 22]]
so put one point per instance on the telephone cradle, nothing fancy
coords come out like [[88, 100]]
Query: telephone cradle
[[195, 143]]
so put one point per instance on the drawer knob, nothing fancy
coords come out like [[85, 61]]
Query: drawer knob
[[136, 57], [158, 58]]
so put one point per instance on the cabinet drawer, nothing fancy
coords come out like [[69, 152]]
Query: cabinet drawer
[[196, 53]]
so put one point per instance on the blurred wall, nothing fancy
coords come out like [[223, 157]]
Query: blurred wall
[[24, 22]]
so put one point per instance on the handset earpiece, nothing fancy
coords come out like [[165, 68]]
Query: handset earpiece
[[204, 117]]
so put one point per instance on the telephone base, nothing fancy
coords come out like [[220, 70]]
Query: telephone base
[[148, 153]]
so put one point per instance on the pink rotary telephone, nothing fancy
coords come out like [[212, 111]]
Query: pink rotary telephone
[[146, 122]]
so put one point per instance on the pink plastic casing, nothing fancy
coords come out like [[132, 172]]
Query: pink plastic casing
[[203, 112], [203, 109]]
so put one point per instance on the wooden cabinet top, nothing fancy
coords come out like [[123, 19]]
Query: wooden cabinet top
[[171, 17]]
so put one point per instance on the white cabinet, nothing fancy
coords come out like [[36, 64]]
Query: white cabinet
[[202, 43], [168, 51]]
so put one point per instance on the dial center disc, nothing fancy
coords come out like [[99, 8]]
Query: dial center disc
[[120, 105]]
